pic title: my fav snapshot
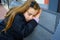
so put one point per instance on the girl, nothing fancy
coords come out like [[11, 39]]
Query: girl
[[20, 21]]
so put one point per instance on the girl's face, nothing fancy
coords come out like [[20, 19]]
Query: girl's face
[[30, 13]]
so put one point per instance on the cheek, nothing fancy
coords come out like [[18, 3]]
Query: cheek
[[26, 16], [30, 18]]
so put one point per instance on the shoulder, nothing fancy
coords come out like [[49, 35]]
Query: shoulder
[[19, 16]]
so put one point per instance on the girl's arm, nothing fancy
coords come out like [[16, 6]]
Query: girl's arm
[[29, 27], [23, 28], [26, 28]]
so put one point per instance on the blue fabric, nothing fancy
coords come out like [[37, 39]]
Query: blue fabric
[[0, 20]]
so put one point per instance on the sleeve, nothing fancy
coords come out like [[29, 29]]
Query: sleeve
[[22, 27], [29, 27], [2, 25]]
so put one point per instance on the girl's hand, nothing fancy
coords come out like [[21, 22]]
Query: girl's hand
[[38, 15], [36, 18]]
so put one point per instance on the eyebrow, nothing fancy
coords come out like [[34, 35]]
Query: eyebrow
[[31, 13]]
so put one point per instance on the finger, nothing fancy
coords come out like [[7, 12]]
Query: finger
[[39, 12]]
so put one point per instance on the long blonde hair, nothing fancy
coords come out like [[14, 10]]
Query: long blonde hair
[[11, 14]]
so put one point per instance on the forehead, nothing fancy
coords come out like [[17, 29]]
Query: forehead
[[32, 11]]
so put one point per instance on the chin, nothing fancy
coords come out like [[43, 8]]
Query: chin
[[27, 20]]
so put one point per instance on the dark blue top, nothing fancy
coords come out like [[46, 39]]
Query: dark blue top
[[19, 30]]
